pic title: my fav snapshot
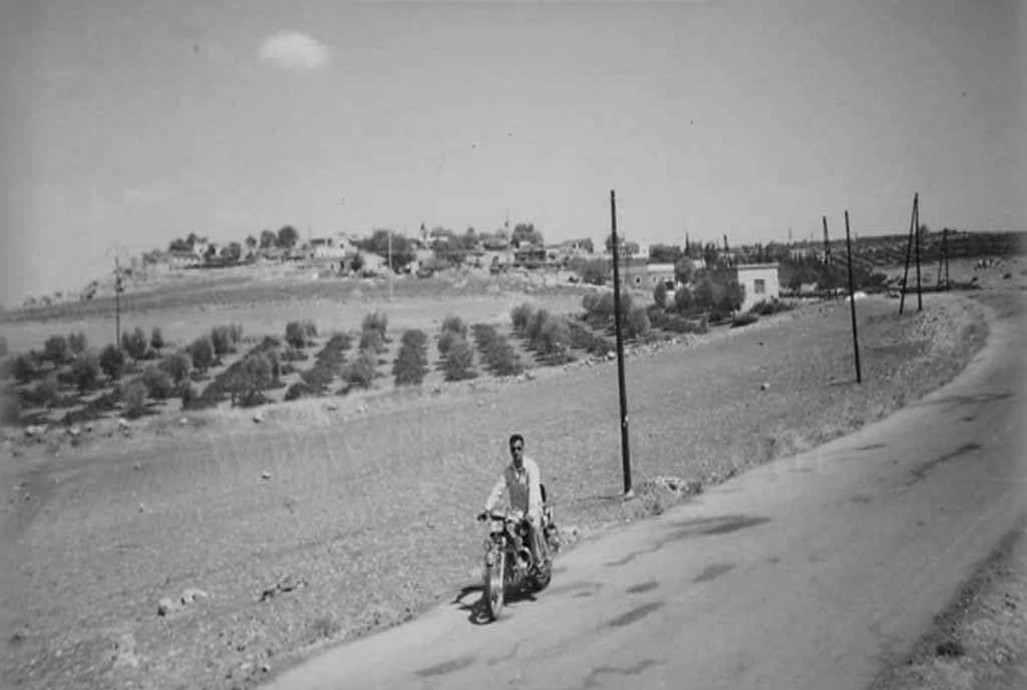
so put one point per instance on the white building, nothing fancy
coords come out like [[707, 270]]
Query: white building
[[760, 283]]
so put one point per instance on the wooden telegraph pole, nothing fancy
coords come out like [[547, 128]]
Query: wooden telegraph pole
[[916, 212], [118, 289], [852, 300], [909, 251], [625, 448], [390, 264]]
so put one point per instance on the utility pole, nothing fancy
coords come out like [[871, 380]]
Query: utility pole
[[909, 251], [390, 264], [945, 253], [852, 300], [916, 212], [625, 449], [827, 253], [118, 288]]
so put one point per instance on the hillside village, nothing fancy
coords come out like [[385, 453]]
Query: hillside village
[[805, 266]]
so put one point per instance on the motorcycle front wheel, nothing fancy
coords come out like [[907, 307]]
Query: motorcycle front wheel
[[494, 585]]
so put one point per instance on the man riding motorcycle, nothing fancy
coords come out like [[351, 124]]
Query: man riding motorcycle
[[523, 480]]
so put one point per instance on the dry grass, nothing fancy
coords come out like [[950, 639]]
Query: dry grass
[[372, 504], [980, 640]]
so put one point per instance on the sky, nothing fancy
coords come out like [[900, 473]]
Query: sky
[[128, 123]]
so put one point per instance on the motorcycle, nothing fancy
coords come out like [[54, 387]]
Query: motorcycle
[[509, 566]]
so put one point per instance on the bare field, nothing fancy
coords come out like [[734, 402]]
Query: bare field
[[263, 304], [366, 517]]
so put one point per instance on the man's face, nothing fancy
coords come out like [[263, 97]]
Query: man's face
[[517, 452]]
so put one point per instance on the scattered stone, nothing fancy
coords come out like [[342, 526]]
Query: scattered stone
[[764, 386], [331, 407], [258, 418], [142, 508], [74, 431], [265, 474], [123, 424], [183, 422], [137, 466], [191, 594], [89, 428], [125, 652], [265, 668], [166, 607], [286, 584]]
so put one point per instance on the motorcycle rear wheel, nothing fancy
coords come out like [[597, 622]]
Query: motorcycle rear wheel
[[494, 586]]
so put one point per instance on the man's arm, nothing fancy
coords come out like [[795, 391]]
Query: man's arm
[[496, 493], [534, 492]]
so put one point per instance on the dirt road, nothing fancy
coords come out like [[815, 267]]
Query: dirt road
[[804, 573]]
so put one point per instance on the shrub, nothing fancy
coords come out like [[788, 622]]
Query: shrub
[[533, 328], [768, 308], [158, 382], [704, 297], [10, 410], [601, 311], [371, 340], [135, 344], [417, 338], [299, 334], [731, 298], [554, 340], [520, 316], [638, 323], [86, 371], [499, 356], [660, 295], [360, 373], [590, 301], [376, 321], [446, 341], [46, 392], [24, 368], [235, 332], [77, 342], [202, 352], [178, 365], [157, 339], [459, 365], [683, 300], [594, 271], [112, 361], [743, 320], [55, 349], [221, 339], [411, 363], [134, 398], [252, 378], [188, 396], [292, 354], [299, 389], [454, 324], [3, 346], [676, 323], [584, 339]]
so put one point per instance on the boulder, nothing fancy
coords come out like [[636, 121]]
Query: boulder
[[166, 606], [191, 594]]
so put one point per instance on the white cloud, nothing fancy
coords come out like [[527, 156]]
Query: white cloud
[[294, 50]]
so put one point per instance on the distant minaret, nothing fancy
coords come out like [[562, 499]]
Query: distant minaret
[[688, 245]]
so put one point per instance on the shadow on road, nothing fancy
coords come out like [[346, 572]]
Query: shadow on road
[[476, 610]]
